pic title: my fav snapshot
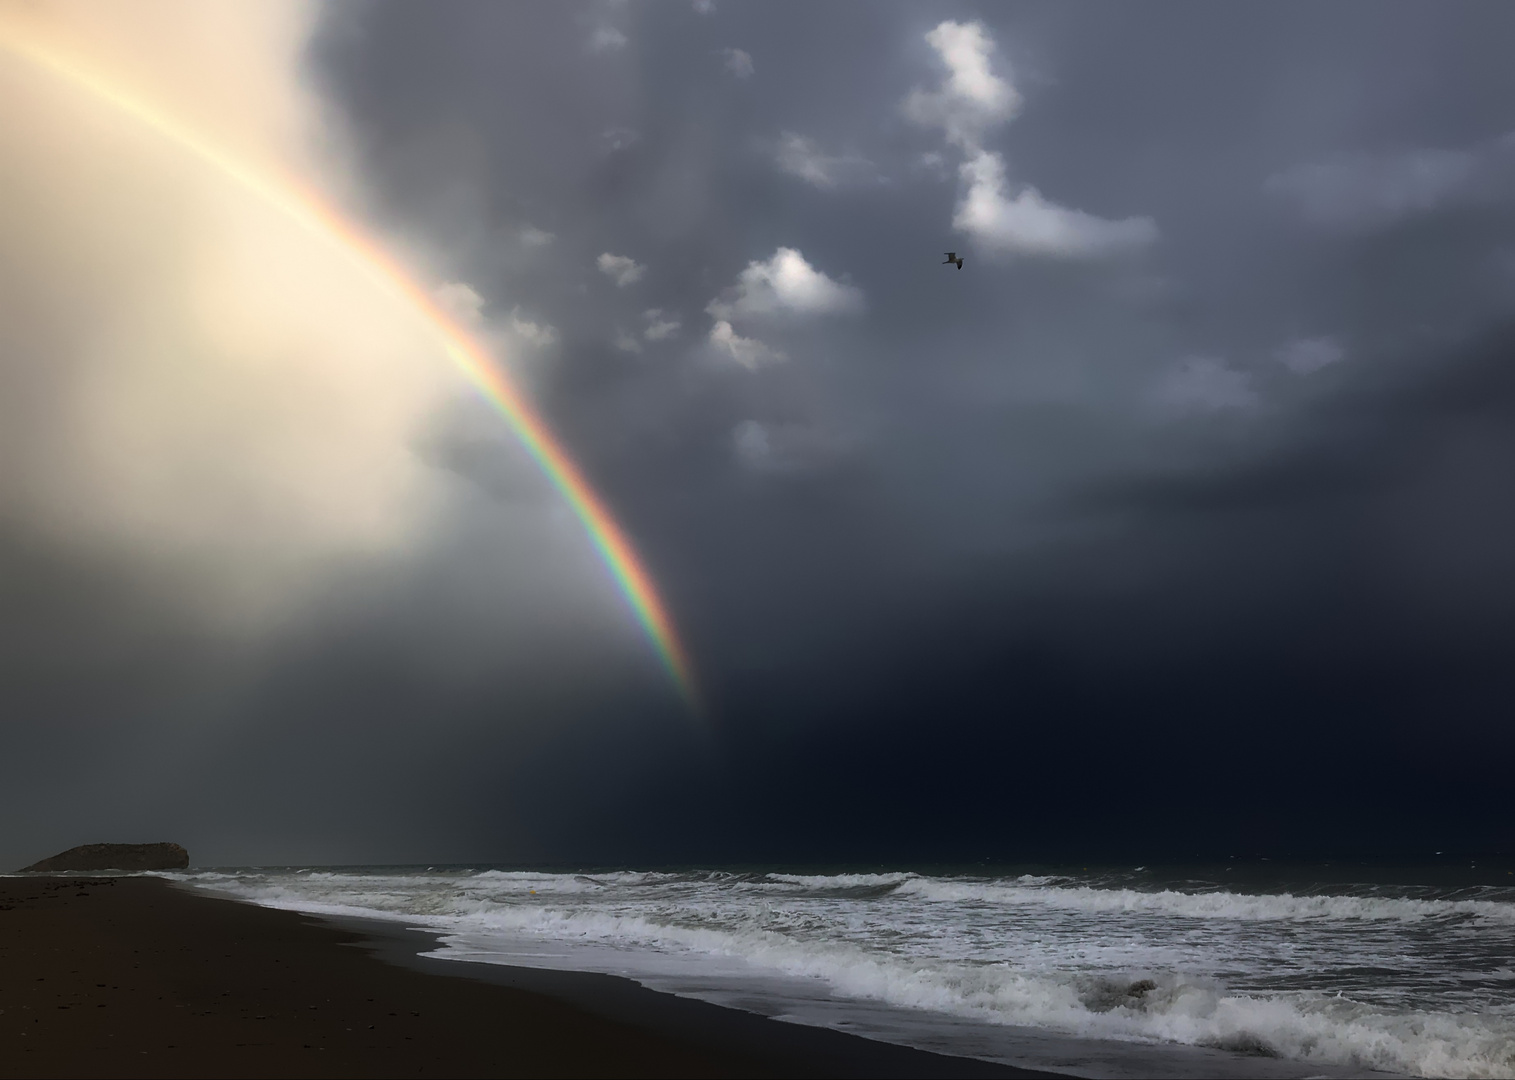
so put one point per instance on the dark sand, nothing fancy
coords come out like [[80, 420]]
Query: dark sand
[[134, 977]]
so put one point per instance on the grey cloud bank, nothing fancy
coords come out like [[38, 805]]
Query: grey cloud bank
[[1366, 191]]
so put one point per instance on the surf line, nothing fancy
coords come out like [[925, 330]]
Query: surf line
[[311, 212]]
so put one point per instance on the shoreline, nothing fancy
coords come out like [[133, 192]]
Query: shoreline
[[707, 1026], [140, 976], [1036, 1053]]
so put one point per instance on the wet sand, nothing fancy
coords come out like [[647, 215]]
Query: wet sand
[[132, 976]]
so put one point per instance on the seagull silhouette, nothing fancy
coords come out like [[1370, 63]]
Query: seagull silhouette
[[953, 259]]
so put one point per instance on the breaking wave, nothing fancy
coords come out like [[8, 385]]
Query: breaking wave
[[1408, 984], [1213, 905]]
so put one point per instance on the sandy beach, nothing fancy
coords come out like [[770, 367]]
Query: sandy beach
[[132, 976]]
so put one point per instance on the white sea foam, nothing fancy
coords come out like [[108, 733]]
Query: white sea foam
[[1405, 983], [1211, 905], [841, 881]]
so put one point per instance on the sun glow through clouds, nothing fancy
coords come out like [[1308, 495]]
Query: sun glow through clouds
[[310, 210]]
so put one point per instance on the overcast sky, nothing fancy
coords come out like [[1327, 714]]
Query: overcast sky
[[1179, 520]]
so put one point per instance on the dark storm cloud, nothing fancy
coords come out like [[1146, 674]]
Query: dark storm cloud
[[1033, 453], [1065, 548]]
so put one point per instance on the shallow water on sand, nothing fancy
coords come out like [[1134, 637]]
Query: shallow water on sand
[[1107, 972]]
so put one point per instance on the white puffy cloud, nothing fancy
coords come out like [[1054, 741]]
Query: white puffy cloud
[[972, 98], [749, 352], [622, 269], [538, 334], [1303, 356], [627, 342], [533, 237], [785, 283], [461, 301], [659, 328], [704, 7], [970, 101], [738, 62], [1205, 384], [803, 158], [1026, 223]]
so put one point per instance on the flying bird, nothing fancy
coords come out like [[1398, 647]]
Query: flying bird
[[953, 258]]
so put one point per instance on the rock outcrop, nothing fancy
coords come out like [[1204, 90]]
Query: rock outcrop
[[92, 857]]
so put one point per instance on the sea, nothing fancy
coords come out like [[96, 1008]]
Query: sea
[[1236, 969]]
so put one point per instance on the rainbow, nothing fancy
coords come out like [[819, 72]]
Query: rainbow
[[308, 209]]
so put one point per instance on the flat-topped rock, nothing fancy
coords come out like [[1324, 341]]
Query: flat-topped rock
[[91, 857]]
